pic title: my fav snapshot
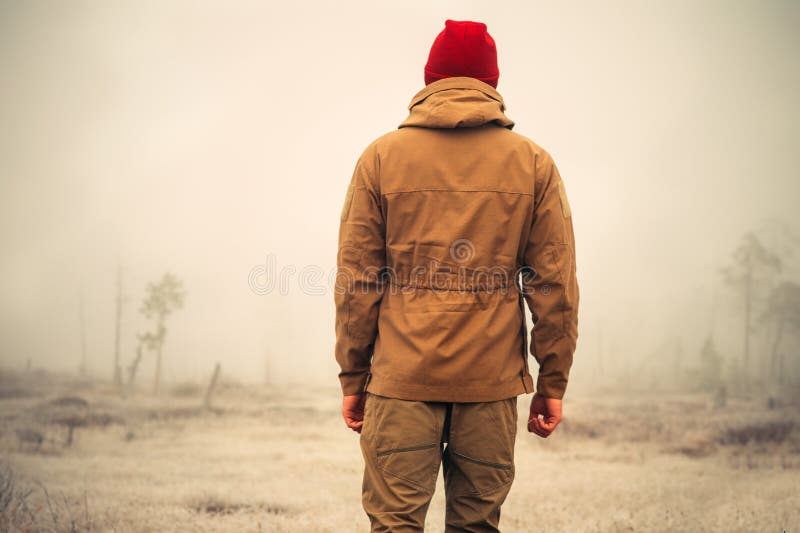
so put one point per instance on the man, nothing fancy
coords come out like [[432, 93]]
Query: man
[[441, 218]]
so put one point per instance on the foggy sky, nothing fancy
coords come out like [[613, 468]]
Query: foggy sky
[[201, 137]]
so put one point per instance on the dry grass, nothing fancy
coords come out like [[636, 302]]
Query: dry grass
[[216, 504], [24, 507], [759, 431], [280, 459]]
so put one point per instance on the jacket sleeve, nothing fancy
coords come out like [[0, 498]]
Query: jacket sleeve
[[551, 289], [360, 261]]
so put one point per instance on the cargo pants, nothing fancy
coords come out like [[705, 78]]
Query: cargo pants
[[403, 443]]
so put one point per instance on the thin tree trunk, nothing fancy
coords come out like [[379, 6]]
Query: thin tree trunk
[[157, 381], [159, 351], [211, 386], [747, 309], [117, 331], [82, 368], [773, 367], [134, 367], [599, 349]]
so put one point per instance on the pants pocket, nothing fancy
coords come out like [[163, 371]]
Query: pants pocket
[[404, 440], [416, 464], [479, 476], [479, 458]]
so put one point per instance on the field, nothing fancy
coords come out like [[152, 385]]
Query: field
[[280, 459]]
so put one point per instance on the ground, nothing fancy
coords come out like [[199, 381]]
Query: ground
[[279, 458]]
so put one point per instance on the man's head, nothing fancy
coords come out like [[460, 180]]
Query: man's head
[[463, 48]]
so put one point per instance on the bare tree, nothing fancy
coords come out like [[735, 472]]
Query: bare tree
[[161, 299], [750, 260], [710, 366], [780, 238], [211, 387], [145, 341], [83, 368], [119, 301], [783, 310]]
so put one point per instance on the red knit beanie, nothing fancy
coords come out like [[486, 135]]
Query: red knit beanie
[[463, 48]]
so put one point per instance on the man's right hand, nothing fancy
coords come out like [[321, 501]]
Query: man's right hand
[[550, 409]]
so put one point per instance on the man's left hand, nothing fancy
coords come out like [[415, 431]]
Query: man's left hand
[[353, 410]]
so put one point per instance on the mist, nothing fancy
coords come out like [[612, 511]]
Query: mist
[[207, 140]]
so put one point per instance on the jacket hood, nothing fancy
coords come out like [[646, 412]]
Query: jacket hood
[[457, 102]]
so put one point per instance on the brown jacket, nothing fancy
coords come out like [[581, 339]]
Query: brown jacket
[[449, 222]]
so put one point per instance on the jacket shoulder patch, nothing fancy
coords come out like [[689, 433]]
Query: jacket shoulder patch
[[562, 194], [348, 200]]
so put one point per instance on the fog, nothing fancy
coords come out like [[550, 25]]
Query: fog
[[206, 139]]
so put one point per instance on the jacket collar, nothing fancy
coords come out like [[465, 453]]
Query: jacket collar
[[457, 102]]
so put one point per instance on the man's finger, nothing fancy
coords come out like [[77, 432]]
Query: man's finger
[[354, 424], [540, 433], [549, 424], [543, 428], [535, 427]]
